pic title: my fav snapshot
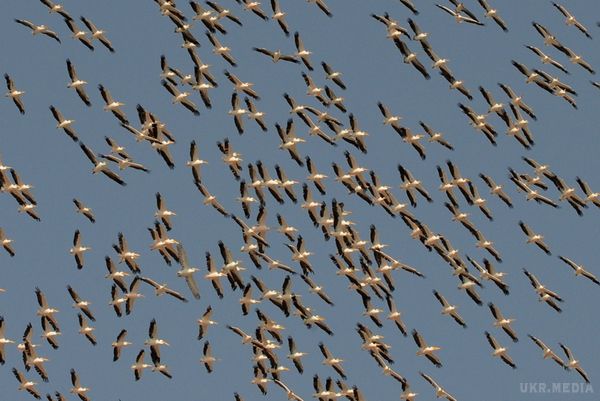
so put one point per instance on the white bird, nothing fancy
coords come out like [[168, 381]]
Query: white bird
[[439, 390], [14, 94], [38, 29], [499, 351], [187, 272], [78, 249], [77, 388], [98, 34]]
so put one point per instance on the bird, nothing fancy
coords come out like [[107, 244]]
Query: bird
[[458, 16], [64, 124], [545, 59], [301, 51], [547, 352], [78, 250], [411, 58], [279, 16], [502, 322], [153, 341], [207, 358], [496, 189], [27, 385], [187, 272], [322, 6], [330, 360], [160, 289], [219, 49], [205, 322], [6, 242], [439, 390], [85, 329], [276, 55], [579, 270], [77, 84], [14, 94], [77, 389], [449, 310], [80, 304], [139, 365], [98, 34], [290, 394], [334, 76], [573, 363], [119, 343], [84, 210], [544, 293], [38, 29], [78, 33], [533, 238], [571, 20], [56, 8], [493, 14], [499, 351], [180, 97], [428, 351]]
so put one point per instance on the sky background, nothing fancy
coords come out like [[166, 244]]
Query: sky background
[[372, 68]]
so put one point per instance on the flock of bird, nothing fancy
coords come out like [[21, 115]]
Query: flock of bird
[[366, 266]]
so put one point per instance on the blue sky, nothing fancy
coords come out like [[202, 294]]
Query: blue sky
[[372, 68]]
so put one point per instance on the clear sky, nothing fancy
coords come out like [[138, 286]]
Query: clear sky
[[355, 44]]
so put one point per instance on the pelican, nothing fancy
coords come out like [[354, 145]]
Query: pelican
[[499, 351], [493, 14], [533, 238], [571, 20], [221, 50], [14, 94], [213, 275], [6, 242], [301, 52], [85, 329], [205, 322], [78, 33], [38, 29], [45, 311], [207, 358], [139, 365], [411, 58], [279, 16], [98, 34], [80, 304], [502, 322], [290, 394], [458, 17], [161, 289], [547, 352], [3, 341], [544, 293], [77, 388], [56, 8], [579, 270], [187, 272], [180, 97], [427, 351], [153, 341], [439, 391], [330, 360], [112, 105], [435, 136], [322, 6], [449, 310], [78, 250], [577, 59], [119, 343], [27, 385], [195, 162], [573, 363], [210, 199]]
